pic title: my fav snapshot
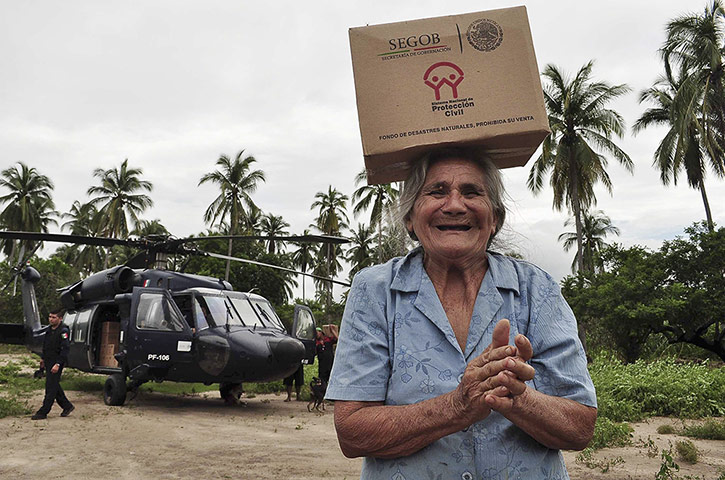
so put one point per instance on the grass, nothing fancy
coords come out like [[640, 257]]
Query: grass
[[666, 429], [712, 429], [5, 348], [633, 392], [587, 459], [687, 451], [16, 384], [12, 407], [608, 433]]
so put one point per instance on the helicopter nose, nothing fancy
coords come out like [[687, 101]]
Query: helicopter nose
[[288, 350]]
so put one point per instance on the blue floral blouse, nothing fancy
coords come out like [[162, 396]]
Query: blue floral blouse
[[396, 345]]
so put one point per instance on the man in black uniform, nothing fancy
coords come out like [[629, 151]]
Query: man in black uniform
[[55, 354]]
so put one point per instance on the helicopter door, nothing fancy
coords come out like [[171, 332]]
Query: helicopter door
[[159, 335], [303, 329], [78, 356]]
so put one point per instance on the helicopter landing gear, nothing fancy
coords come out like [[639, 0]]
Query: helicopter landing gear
[[231, 393], [132, 388], [114, 391]]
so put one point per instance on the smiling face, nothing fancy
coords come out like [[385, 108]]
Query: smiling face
[[452, 215]]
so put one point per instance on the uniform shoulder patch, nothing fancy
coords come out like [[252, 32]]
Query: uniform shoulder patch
[[64, 335]]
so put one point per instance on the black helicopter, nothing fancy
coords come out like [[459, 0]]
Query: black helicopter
[[136, 323]]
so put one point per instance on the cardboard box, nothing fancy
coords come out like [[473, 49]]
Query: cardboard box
[[330, 330], [110, 332], [458, 80], [106, 356]]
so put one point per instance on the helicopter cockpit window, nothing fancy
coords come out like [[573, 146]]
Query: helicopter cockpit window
[[201, 314], [268, 314], [305, 325], [245, 310], [155, 313], [220, 310]]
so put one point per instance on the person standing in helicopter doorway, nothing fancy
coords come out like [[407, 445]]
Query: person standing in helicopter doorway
[[56, 343]]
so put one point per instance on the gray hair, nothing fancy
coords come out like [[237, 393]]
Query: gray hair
[[416, 178]]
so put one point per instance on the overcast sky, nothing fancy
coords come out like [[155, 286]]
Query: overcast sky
[[171, 85]]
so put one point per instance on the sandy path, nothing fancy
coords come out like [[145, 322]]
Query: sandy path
[[159, 436]]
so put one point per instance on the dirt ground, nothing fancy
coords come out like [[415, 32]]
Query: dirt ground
[[158, 436]]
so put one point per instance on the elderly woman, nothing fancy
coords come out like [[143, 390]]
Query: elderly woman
[[455, 361]]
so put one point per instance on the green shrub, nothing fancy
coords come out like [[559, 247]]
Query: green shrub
[[687, 451], [668, 467], [712, 429], [7, 348], [666, 429], [12, 406], [610, 434], [631, 392], [586, 458]]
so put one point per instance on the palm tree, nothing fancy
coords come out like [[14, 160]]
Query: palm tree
[[252, 223], [596, 226], [579, 121], [82, 220], [28, 205], [273, 226], [381, 197], [304, 258], [331, 220], [237, 181], [681, 146], [359, 255], [694, 47], [147, 228], [118, 199], [396, 240], [696, 43]]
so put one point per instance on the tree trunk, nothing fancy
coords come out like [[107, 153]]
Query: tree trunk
[[576, 207], [380, 238], [303, 285], [229, 254], [708, 213]]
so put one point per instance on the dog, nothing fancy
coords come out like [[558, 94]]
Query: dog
[[318, 387]]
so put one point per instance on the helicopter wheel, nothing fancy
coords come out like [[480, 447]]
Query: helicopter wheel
[[114, 391]]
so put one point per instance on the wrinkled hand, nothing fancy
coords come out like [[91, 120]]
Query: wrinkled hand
[[495, 376], [510, 379]]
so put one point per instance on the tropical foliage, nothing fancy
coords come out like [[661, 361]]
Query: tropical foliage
[[236, 181], [690, 101], [28, 205], [331, 220], [581, 123], [675, 292], [379, 199], [116, 199], [595, 227]]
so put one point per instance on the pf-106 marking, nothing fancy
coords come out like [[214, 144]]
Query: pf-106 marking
[[157, 356]]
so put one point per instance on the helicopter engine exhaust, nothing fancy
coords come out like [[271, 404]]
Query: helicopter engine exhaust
[[108, 283]]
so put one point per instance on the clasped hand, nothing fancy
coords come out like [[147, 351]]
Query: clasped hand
[[494, 378]]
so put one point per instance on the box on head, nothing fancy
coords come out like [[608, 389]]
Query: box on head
[[464, 80]]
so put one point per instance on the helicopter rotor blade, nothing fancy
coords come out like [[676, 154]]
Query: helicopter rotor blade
[[282, 238], [261, 264], [63, 238]]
